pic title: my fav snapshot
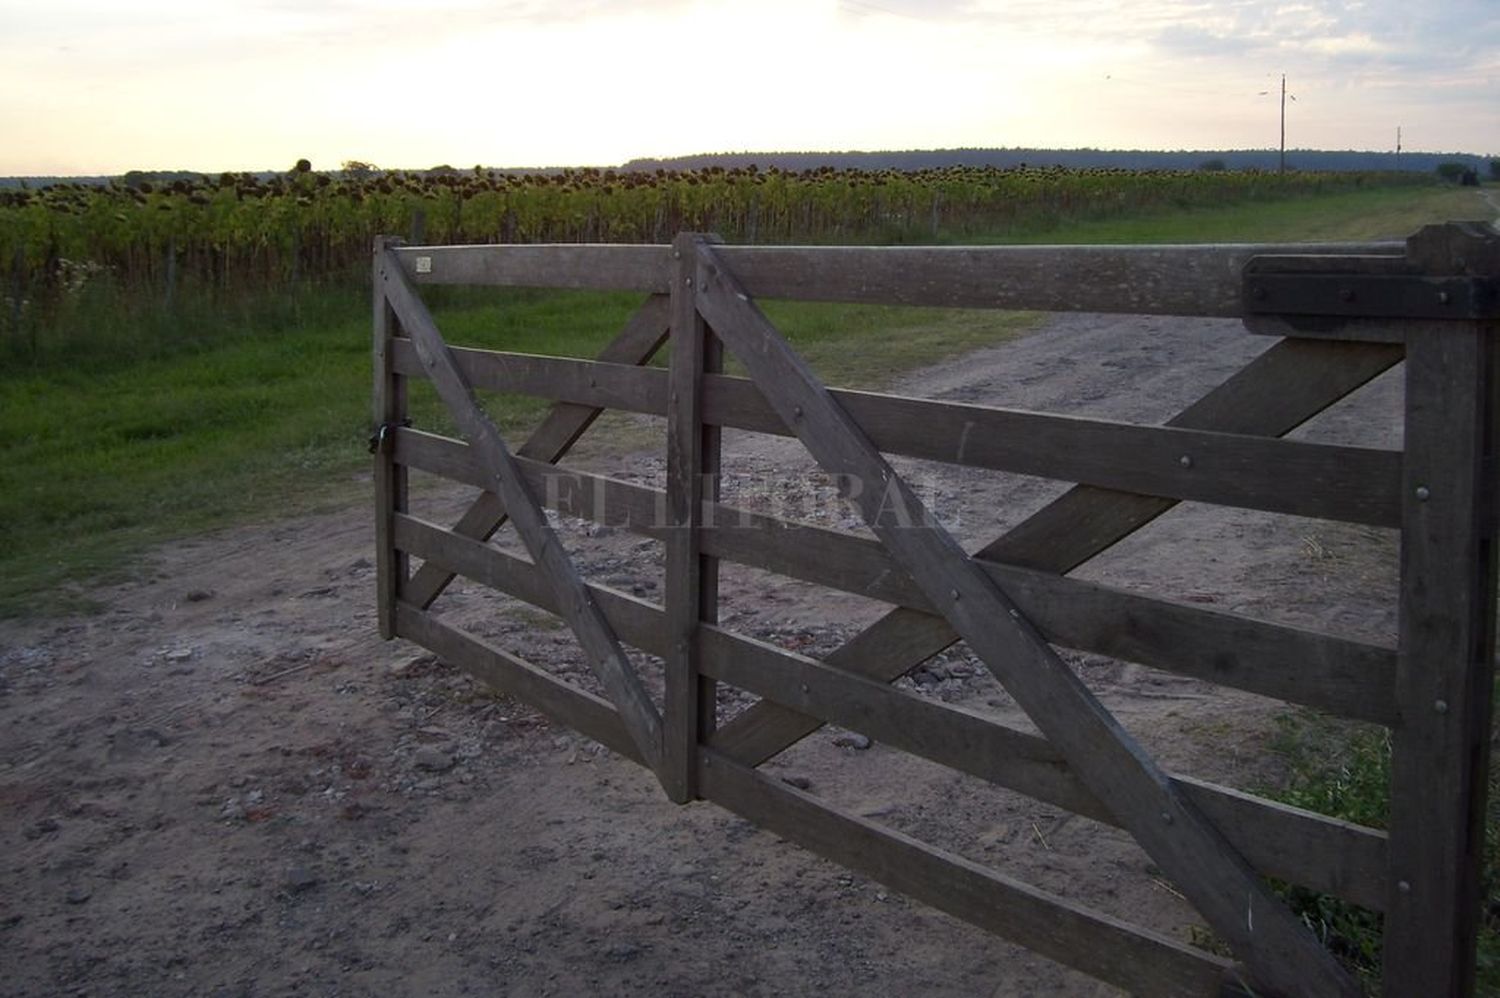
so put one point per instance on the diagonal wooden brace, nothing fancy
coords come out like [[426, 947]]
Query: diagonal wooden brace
[[1281, 955], [598, 640], [1284, 387], [565, 422]]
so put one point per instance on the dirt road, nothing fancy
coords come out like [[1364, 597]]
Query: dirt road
[[224, 784]]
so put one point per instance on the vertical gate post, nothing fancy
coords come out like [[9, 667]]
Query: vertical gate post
[[388, 411], [692, 477], [1440, 745]]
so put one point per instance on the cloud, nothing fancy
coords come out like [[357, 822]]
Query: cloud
[[1198, 42], [1452, 36], [246, 82]]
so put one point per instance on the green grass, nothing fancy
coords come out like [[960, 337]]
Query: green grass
[[136, 423], [1343, 770], [102, 460], [1388, 213]]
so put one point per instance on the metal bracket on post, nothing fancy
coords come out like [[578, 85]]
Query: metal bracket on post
[[1355, 297], [383, 440]]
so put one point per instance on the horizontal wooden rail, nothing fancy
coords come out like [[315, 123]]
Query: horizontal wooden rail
[[490, 453], [565, 704], [1341, 676], [974, 744], [1350, 484], [553, 437], [1136, 959], [627, 387], [1344, 313], [1322, 853], [1147, 280]]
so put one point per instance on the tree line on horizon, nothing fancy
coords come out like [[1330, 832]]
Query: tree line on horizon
[[1324, 160], [1320, 160]]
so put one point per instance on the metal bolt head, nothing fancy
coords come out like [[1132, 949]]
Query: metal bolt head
[[797, 411], [1185, 460], [1166, 817], [1443, 298], [687, 281], [954, 593], [1423, 493], [804, 688], [1404, 886], [1441, 706]]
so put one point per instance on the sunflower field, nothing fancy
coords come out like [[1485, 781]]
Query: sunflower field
[[240, 233]]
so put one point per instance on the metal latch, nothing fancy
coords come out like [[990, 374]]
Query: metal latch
[[1268, 290], [383, 440]]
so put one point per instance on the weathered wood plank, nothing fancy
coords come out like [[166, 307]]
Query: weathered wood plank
[[600, 267], [1344, 677], [1152, 280], [1139, 280], [1351, 484], [564, 423], [388, 410], [1318, 852], [1107, 948], [592, 384], [1308, 327], [600, 647], [637, 621], [1278, 950], [692, 453], [1440, 749], [608, 501], [1331, 856], [1285, 386], [1278, 391], [572, 708]]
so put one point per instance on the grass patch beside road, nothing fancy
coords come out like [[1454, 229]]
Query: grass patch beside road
[[1343, 771], [171, 421], [1381, 213], [99, 462]]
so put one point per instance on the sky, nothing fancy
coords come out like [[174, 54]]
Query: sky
[[89, 87]]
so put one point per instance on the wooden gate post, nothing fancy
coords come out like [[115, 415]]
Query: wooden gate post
[[1445, 676], [389, 411], [1439, 748], [692, 477]]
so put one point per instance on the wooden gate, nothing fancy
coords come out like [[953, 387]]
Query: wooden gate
[[1344, 314]]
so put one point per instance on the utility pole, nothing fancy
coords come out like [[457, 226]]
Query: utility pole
[[1284, 96], [1398, 147], [1283, 123]]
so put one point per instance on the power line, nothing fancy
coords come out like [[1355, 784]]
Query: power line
[[1284, 96]]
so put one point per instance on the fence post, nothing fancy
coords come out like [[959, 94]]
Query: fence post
[[388, 411], [692, 477], [1444, 684]]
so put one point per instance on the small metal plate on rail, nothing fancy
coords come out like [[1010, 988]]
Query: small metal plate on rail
[[424, 264], [1395, 296]]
